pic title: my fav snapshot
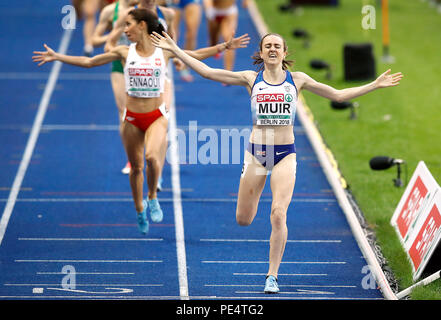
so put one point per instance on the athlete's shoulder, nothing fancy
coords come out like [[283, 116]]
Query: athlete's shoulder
[[300, 78], [252, 77], [249, 75], [121, 50], [124, 12], [107, 12], [298, 75], [168, 13]]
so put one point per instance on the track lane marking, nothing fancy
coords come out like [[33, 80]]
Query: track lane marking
[[33, 137]]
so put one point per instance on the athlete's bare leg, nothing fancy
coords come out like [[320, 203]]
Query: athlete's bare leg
[[251, 185], [155, 139], [133, 139], [282, 181]]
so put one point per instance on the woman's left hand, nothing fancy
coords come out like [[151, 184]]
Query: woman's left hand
[[388, 80]]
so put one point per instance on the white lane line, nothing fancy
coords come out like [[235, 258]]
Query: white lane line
[[44, 75], [81, 285], [271, 297], [262, 240], [280, 285], [287, 292], [21, 189], [89, 239], [32, 140], [86, 261], [161, 200], [112, 290], [286, 262], [91, 273], [110, 127], [177, 199], [282, 274], [84, 127]]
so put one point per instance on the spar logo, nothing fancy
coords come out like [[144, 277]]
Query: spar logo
[[275, 97], [271, 97], [140, 72]]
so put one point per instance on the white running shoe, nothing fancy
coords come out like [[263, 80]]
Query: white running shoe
[[88, 50], [186, 76], [271, 285], [159, 186], [126, 169]]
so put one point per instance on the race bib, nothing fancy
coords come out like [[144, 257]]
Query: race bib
[[274, 109], [144, 82]]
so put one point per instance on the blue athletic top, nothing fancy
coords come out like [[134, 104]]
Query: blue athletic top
[[271, 104]]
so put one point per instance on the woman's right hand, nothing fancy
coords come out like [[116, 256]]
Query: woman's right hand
[[48, 56], [164, 42]]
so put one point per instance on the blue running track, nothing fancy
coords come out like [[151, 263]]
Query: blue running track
[[68, 228]]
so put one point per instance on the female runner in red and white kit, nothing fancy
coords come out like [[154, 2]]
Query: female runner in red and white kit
[[117, 37], [145, 120], [273, 91]]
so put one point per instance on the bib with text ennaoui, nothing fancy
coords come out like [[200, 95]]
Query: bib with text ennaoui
[[273, 105], [145, 76]]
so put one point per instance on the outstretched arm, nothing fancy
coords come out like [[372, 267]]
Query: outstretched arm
[[100, 36], [50, 55], [170, 19], [244, 78], [383, 81], [117, 31], [233, 43]]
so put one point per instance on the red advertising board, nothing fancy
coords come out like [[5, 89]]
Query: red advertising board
[[411, 206], [424, 240], [417, 218]]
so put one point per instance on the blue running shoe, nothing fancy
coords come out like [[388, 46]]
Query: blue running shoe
[[143, 223], [155, 210], [271, 285]]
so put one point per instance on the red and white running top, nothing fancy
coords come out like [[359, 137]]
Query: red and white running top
[[145, 76]]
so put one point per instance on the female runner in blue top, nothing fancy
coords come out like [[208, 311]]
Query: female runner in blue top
[[273, 91]]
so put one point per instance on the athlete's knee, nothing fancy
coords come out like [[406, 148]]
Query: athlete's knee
[[243, 221], [191, 34], [89, 12], [136, 168], [244, 218], [90, 9], [152, 159], [278, 216]]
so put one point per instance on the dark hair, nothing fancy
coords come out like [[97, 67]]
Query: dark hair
[[150, 18], [259, 61]]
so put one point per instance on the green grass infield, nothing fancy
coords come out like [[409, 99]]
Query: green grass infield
[[401, 122]]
